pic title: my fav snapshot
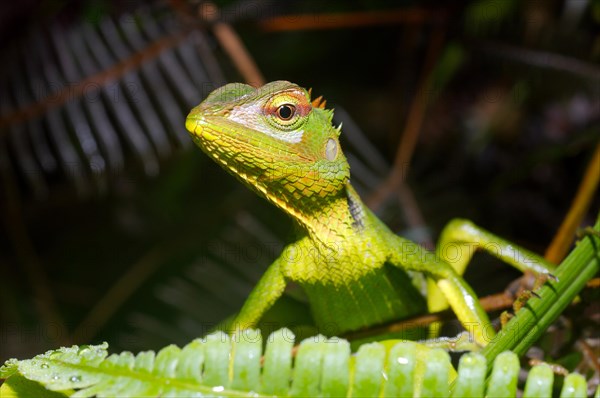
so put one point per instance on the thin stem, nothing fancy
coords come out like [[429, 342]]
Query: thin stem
[[533, 319], [581, 203], [412, 16], [416, 116], [124, 288], [492, 303], [44, 299], [233, 46]]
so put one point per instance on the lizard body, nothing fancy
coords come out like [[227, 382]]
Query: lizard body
[[351, 266]]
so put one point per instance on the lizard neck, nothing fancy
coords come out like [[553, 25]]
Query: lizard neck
[[337, 218]]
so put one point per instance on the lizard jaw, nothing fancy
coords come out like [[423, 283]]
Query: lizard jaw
[[191, 124], [194, 126]]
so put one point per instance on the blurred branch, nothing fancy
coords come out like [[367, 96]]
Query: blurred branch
[[44, 299], [124, 288], [414, 16], [189, 18], [495, 302], [416, 115], [233, 46], [563, 239], [542, 59]]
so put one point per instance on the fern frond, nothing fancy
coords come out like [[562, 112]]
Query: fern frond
[[230, 366], [76, 103]]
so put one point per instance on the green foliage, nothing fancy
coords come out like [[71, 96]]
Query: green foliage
[[230, 366], [557, 293], [485, 15]]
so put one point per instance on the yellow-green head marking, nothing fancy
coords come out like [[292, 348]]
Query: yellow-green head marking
[[275, 140]]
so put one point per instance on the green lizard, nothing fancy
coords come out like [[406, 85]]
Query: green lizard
[[350, 265]]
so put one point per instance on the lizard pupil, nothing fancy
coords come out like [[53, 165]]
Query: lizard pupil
[[285, 112]]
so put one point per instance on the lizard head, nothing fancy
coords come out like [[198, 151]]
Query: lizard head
[[274, 139]]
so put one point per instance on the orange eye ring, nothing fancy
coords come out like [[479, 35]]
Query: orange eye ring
[[285, 112]]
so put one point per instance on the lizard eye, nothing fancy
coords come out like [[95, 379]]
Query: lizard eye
[[286, 111]]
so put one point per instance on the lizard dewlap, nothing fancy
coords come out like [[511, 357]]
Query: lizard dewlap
[[281, 144]]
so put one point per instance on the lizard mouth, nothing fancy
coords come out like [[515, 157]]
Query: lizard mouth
[[190, 124], [194, 126]]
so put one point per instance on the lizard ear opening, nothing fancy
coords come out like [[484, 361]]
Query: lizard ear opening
[[331, 149]]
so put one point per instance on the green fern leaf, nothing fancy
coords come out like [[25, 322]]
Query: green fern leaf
[[172, 372], [230, 366], [18, 386]]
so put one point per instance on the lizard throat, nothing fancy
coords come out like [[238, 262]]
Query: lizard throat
[[328, 219]]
